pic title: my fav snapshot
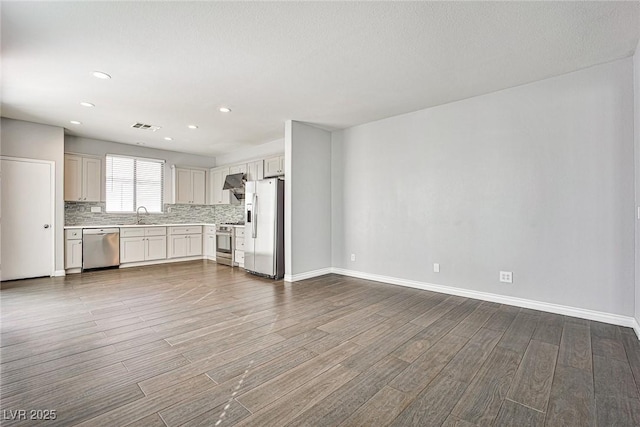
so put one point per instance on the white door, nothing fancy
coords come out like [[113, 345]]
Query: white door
[[156, 248], [177, 246], [194, 245], [198, 187], [184, 187], [26, 216], [132, 249], [72, 178], [210, 246], [91, 179], [218, 195], [272, 167]]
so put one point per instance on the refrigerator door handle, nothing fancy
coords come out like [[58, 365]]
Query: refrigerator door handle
[[254, 227]]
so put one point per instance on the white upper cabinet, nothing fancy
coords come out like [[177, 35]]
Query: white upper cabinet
[[82, 178], [274, 166], [241, 168], [216, 180], [255, 170], [198, 179], [188, 186]]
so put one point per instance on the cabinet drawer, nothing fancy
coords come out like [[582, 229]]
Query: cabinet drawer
[[185, 230], [131, 232], [210, 229], [239, 231], [238, 257], [155, 231], [75, 234], [240, 243]]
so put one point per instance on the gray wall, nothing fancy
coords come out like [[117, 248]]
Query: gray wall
[[537, 179], [307, 198], [42, 142], [636, 92], [255, 152], [98, 147]]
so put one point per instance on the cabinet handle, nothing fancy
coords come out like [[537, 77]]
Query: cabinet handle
[[84, 198]]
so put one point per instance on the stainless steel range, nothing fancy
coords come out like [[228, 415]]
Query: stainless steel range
[[224, 244]]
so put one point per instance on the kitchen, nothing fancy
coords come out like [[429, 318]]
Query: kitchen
[[192, 196]]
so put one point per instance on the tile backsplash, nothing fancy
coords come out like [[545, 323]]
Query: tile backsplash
[[79, 213]]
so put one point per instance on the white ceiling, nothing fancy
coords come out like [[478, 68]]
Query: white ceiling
[[333, 64]]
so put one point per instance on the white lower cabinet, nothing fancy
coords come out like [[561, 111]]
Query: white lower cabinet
[[73, 255], [209, 244], [194, 248], [184, 246], [143, 244], [149, 243], [185, 241], [238, 254], [131, 249], [156, 248]]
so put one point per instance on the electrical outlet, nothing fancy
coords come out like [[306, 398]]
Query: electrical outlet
[[96, 209], [353, 257], [506, 276], [436, 267]]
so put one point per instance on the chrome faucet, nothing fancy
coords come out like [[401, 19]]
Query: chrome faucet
[[138, 213]]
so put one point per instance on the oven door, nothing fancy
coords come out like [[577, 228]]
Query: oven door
[[224, 248]]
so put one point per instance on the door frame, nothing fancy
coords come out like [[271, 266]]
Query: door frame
[[52, 210]]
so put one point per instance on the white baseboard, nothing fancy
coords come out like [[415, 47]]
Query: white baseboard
[[307, 275], [161, 261], [501, 299], [58, 273], [636, 328]]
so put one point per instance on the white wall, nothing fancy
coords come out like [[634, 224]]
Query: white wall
[[255, 152], [307, 199], [537, 179], [42, 142], [100, 148], [636, 92]]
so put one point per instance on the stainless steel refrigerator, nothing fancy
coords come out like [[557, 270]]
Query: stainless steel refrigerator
[[264, 227]]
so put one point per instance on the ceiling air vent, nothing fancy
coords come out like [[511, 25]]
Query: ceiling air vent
[[144, 126]]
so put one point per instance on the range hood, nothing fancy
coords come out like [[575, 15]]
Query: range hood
[[235, 184]]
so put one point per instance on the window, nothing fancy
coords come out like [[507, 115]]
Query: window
[[134, 182]]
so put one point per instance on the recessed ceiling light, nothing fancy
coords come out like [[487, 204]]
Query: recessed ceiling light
[[101, 75], [87, 104], [168, 138], [192, 127], [75, 122], [225, 109]]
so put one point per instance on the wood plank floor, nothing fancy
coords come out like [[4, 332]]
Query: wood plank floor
[[199, 344]]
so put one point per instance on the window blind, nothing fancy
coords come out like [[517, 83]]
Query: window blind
[[133, 182]]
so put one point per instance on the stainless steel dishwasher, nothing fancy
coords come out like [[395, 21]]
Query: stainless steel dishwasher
[[100, 247]]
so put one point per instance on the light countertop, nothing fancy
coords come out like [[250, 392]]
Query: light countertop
[[76, 227]]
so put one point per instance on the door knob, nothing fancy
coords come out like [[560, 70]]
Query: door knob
[[46, 226]]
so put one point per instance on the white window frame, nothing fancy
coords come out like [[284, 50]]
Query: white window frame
[[135, 198]]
